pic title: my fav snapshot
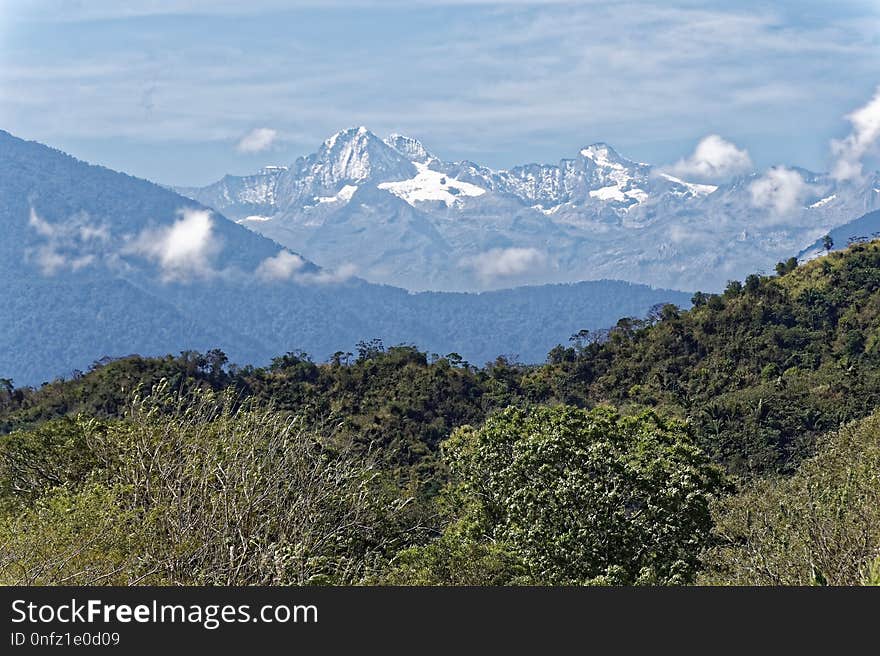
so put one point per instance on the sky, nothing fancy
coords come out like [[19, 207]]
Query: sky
[[184, 92]]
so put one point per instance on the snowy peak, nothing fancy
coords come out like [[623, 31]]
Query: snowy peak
[[598, 175], [603, 155], [346, 135], [355, 155], [410, 148], [609, 165], [240, 195], [597, 181]]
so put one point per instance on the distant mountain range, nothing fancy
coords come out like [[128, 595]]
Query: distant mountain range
[[97, 263], [397, 214]]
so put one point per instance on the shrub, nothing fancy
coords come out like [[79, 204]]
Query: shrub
[[821, 525], [202, 490]]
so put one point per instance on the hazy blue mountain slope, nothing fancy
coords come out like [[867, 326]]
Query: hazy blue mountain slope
[[51, 327]]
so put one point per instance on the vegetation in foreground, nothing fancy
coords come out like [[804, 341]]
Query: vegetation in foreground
[[732, 443]]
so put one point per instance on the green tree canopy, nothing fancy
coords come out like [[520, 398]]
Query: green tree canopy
[[581, 497]]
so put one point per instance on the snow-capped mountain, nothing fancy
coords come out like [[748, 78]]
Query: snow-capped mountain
[[403, 216]]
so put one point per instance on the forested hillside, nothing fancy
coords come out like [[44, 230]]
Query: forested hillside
[[734, 442]]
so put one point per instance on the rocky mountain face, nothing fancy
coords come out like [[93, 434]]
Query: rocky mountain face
[[400, 215], [242, 196]]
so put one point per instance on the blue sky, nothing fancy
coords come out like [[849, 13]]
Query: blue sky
[[166, 90]]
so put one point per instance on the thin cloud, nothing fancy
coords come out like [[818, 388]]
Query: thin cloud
[[67, 11], [650, 73], [505, 262], [68, 245], [257, 140]]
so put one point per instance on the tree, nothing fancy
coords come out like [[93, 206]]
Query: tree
[[340, 358], [827, 243], [733, 289], [788, 266], [571, 496], [215, 360], [753, 283], [368, 350], [6, 391]]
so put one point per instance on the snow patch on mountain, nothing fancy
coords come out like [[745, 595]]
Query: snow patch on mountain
[[608, 193], [430, 185], [695, 188], [343, 195], [823, 202]]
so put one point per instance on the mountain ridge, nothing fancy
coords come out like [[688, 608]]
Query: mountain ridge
[[595, 215]]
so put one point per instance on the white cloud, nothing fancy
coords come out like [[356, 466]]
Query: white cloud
[[714, 159], [257, 140], [505, 262], [183, 249], [679, 233], [780, 190], [281, 266], [850, 151]]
